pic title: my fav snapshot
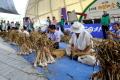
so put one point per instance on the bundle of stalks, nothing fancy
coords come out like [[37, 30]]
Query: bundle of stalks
[[26, 45], [19, 39], [36, 41], [96, 42], [34, 36], [3, 34], [12, 36], [66, 37], [43, 58], [44, 50], [108, 54]]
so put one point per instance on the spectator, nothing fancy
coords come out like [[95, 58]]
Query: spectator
[[48, 20], [13, 25], [30, 27], [8, 25], [105, 21], [116, 34], [62, 22], [1, 25], [26, 22], [17, 25], [54, 21], [4, 26]]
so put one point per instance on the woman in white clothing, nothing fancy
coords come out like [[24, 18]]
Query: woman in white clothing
[[80, 45]]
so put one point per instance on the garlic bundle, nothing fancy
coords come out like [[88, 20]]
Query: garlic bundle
[[36, 41], [44, 49], [108, 54]]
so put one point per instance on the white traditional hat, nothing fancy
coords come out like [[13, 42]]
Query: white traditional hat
[[77, 27]]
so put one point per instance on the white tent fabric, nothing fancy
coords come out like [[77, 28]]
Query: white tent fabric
[[7, 6], [40, 9]]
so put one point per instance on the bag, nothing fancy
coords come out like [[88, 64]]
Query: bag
[[87, 59]]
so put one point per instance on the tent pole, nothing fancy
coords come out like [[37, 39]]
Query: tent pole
[[81, 5], [51, 8]]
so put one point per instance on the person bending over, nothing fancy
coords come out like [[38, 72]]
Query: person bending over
[[54, 35], [80, 45]]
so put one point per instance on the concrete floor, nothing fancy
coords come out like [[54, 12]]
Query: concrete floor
[[14, 67]]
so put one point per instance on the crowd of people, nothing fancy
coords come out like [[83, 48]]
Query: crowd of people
[[7, 25], [61, 23]]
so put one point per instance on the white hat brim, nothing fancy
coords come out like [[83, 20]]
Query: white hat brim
[[75, 30], [77, 27]]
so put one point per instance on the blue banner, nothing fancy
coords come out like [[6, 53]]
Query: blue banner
[[97, 30]]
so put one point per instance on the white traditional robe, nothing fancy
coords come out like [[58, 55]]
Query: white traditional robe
[[84, 40]]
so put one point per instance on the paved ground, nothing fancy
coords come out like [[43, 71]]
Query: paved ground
[[14, 67]]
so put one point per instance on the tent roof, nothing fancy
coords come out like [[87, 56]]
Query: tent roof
[[7, 6], [40, 9]]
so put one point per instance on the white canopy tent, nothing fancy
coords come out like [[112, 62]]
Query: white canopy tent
[[40, 9]]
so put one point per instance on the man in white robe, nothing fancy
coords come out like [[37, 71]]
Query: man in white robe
[[80, 45]]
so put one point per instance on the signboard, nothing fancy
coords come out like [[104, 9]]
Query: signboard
[[105, 5], [111, 6], [97, 30]]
